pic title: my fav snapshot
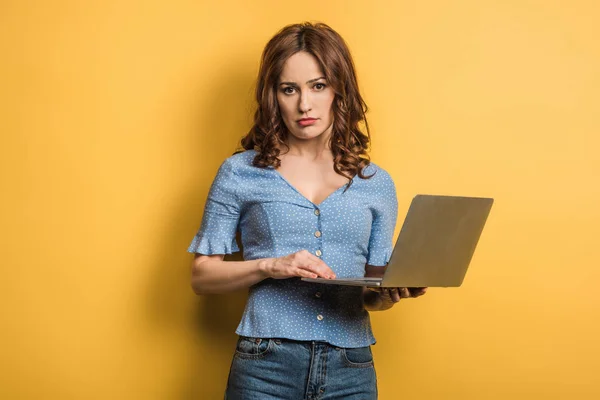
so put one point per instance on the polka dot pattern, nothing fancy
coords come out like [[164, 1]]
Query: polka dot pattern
[[348, 229]]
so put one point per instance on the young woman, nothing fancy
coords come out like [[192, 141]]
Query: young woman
[[308, 203]]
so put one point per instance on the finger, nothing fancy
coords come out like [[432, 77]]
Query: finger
[[384, 294], [316, 270], [321, 264], [304, 273], [307, 265], [394, 295], [418, 291], [404, 293], [321, 268]]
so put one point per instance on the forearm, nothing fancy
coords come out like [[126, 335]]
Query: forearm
[[375, 301], [217, 276]]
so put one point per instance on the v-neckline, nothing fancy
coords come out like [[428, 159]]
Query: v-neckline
[[303, 196]]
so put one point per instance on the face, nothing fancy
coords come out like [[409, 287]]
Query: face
[[302, 93]]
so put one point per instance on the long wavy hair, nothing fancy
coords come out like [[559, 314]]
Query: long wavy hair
[[348, 143]]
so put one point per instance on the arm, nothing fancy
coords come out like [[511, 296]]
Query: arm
[[373, 299], [211, 274], [381, 299]]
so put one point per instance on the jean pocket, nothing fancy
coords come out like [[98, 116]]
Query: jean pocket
[[250, 347], [358, 357]]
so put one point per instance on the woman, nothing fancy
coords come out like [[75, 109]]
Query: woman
[[308, 203]]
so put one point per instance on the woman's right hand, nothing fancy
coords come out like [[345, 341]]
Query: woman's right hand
[[302, 264]]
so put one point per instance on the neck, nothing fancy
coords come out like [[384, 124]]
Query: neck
[[313, 149]]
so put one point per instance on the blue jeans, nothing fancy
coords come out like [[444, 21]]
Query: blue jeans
[[279, 369]]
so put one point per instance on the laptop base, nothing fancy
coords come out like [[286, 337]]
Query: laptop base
[[369, 282]]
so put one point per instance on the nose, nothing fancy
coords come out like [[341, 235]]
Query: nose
[[305, 103]]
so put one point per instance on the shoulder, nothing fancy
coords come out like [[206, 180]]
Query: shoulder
[[381, 190], [380, 176], [239, 169], [239, 160], [237, 163]]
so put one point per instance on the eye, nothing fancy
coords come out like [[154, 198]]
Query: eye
[[286, 88], [322, 84]]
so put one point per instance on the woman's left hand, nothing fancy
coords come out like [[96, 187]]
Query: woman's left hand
[[402, 293], [379, 299]]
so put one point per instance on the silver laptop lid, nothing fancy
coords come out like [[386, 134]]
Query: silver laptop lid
[[437, 241]]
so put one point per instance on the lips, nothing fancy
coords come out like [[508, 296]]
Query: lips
[[307, 121]]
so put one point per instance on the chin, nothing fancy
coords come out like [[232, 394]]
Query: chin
[[307, 135]]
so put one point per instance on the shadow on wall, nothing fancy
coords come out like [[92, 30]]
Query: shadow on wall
[[201, 328], [217, 317], [214, 318], [219, 314], [204, 326]]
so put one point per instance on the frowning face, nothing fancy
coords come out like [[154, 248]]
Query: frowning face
[[305, 98]]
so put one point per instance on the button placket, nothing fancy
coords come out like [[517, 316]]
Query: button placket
[[318, 233], [318, 251]]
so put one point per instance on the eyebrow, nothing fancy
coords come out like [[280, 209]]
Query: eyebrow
[[294, 83]]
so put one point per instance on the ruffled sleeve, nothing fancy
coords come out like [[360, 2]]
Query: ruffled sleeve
[[221, 215], [385, 214]]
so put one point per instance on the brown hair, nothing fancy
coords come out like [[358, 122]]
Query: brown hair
[[348, 144]]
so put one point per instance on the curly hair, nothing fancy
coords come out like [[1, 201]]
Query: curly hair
[[348, 143]]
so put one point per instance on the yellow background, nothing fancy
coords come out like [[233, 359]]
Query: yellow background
[[116, 114]]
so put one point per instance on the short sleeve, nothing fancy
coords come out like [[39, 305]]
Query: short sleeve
[[385, 214], [221, 215]]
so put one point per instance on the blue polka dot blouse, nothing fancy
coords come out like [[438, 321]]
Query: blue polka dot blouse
[[347, 230]]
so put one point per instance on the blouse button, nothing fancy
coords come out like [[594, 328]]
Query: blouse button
[[318, 233], [318, 253], [317, 212], [318, 295], [320, 317]]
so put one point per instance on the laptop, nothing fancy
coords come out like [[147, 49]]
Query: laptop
[[435, 245]]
